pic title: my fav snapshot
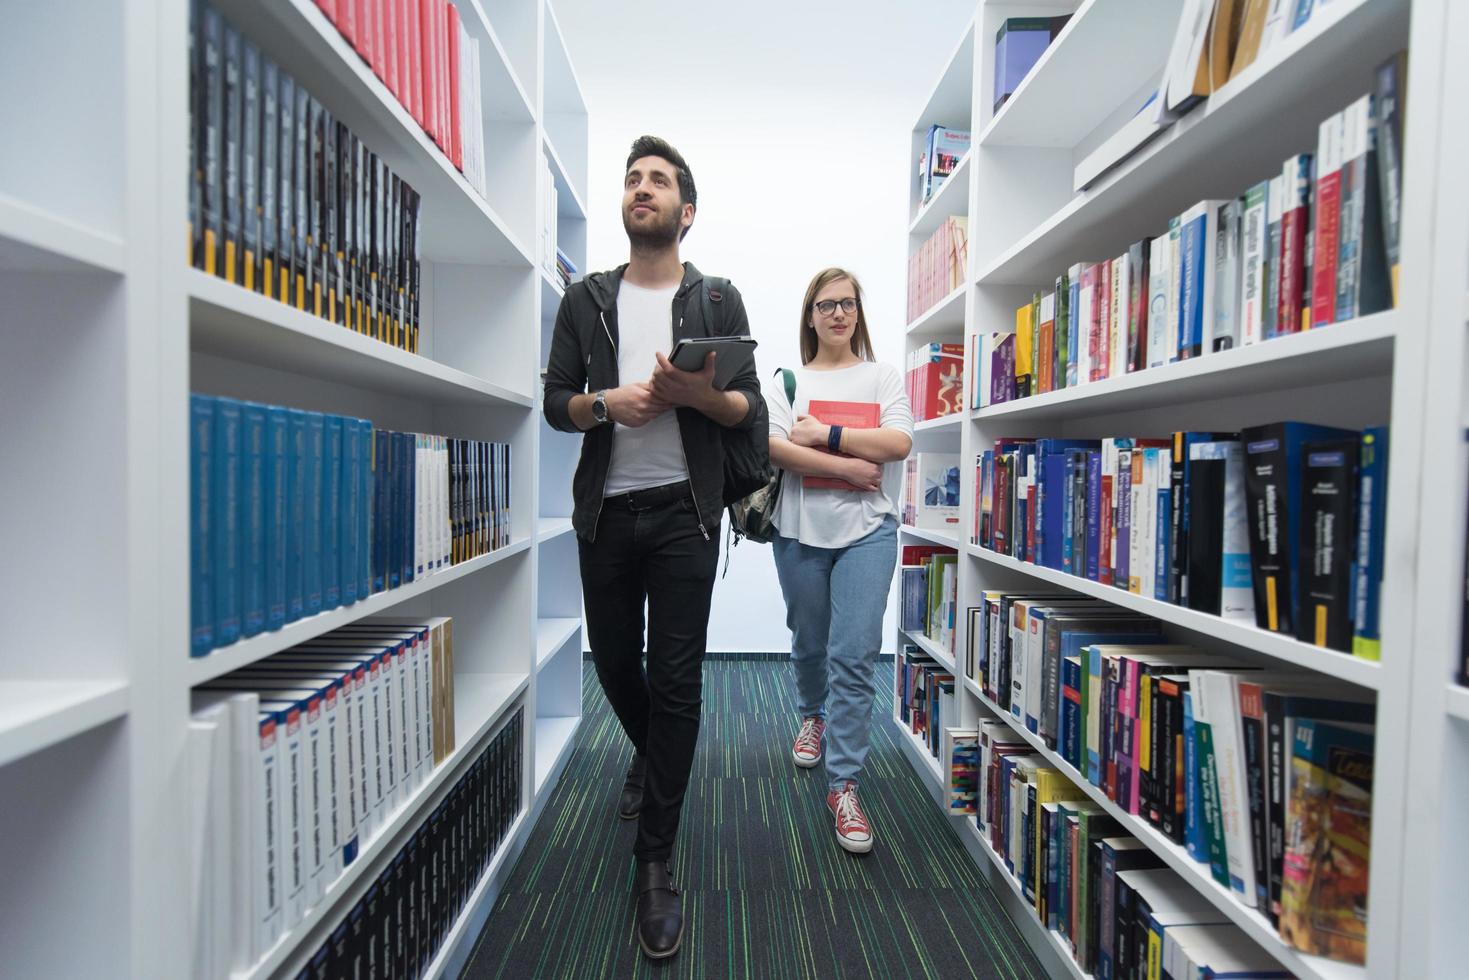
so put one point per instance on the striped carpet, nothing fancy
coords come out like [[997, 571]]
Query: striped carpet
[[768, 894]]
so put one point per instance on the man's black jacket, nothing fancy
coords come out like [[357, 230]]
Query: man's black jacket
[[584, 358]]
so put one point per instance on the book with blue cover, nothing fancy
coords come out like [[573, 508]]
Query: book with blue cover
[[365, 512], [277, 429], [201, 537], [252, 518], [312, 490], [331, 513], [1371, 544], [351, 487], [295, 567]]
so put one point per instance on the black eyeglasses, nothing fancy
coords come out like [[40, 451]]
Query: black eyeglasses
[[829, 306]]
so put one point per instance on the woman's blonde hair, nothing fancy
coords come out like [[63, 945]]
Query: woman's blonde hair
[[810, 343]]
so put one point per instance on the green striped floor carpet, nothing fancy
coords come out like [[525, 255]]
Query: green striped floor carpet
[[768, 894]]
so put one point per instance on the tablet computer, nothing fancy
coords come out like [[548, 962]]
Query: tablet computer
[[732, 355]]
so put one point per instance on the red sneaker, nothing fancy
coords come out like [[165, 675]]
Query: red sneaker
[[807, 750], [853, 831]]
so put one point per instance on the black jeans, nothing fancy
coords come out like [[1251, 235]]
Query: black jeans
[[649, 547]]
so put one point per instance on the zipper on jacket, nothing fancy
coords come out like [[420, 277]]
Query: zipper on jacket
[[692, 496], [597, 518]]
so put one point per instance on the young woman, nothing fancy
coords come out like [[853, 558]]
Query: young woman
[[837, 542]]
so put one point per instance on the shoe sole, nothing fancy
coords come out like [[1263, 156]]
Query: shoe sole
[[855, 847], [806, 763], [661, 956], [628, 816]]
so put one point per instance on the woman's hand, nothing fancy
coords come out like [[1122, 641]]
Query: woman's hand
[[808, 431], [862, 474]]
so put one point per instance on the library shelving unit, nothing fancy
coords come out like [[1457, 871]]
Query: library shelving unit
[[1405, 366], [107, 330]]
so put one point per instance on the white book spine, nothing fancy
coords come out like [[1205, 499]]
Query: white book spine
[[1174, 279], [1226, 288], [269, 858], [1237, 596], [390, 730], [334, 830], [1222, 694], [318, 806], [445, 530], [372, 753], [403, 746], [1086, 312], [1035, 654], [359, 742], [1158, 301], [1017, 660]]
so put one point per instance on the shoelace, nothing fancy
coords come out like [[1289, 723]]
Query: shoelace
[[809, 739], [848, 810]]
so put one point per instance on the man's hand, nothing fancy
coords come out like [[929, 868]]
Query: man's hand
[[692, 389], [635, 405], [808, 431], [862, 474]]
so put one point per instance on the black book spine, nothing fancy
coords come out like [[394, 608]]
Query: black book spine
[[1137, 306], [233, 114], [343, 228], [316, 210], [1177, 523], [375, 249], [1078, 514], [392, 232], [269, 174], [1205, 534], [303, 248], [1275, 802], [372, 918], [1328, 490], [196, 129], [1266, 493], [416, 261], [286, 188], [250, 165], [401, 912], [359, 239], [327, 230], [211, 115]]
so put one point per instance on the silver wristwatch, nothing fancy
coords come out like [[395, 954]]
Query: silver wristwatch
[[599, 408]]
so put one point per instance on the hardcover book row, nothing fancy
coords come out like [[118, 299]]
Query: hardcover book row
[[422, 53], [287, 202], [399, 925], [1279, 525], [293, 513], [304, 758], [1315, 245]]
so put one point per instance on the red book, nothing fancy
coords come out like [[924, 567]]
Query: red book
[[1294, 217], [413, 60], [1030, 493], [329, 7], [444, 124], [362, 27], [426, 34], [853, 415], [919, 554], [347, 20], [379, 39], [1104, 556], [1102, 358], [1328, 221], [391, 47], [451, 34]]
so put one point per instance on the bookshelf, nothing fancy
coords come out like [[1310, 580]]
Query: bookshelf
[[107, 331], [1027, 224]]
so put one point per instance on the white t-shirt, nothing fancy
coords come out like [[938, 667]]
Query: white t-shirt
[[836, 518], [651, 455]]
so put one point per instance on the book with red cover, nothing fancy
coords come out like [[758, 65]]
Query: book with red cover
[[1327, 235], [408, 55], [430, 120], [362, 27], [853, 415], [456, 137], [918, 554], [329, 7], [445, 124], [1295, 217], [390, 47], [379, 39]]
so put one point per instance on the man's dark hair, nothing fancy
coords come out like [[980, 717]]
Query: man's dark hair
[[652, 146]]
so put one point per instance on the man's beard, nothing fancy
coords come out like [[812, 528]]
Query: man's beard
[[658, 235]]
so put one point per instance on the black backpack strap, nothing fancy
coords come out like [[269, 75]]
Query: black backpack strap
[[711, 298]]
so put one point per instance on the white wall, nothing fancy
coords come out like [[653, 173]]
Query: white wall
[[794, 118]]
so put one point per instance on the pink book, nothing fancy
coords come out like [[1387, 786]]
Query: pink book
[[853, 415]]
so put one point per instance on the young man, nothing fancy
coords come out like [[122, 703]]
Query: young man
[[649, 491]]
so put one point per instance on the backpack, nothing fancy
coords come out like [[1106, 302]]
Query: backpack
[[753, 516]]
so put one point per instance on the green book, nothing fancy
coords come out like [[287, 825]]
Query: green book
[[1063, 320], [1209, 792], [1093, 823]]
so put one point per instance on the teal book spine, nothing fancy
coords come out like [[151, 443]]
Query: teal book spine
[[252, 518], [201, 539]]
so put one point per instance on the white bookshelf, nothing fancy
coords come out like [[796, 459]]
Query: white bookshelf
[[107, 330], [1027, 225]]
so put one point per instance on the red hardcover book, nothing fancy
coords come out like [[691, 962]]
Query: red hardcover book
[[918, 554], [1104, 557], [379, 39], [329, 7], [413, 49], [362, 27], [1327, 235], [391, 48], [444, 123], [347, 20], [456, 137], [853, 415], [1294, 218], [426, 34]]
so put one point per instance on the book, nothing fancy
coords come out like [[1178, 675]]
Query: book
[[1218, 537], [1198, 241], [1362, 281], [1324, 894], [1328, 489], [855, 415], [1019, 44], [1326, 230], [1293, 313], [1388, 95], [1254, 240], [1371, 544]]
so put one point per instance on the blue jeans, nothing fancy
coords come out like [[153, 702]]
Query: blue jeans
[[835, 600]]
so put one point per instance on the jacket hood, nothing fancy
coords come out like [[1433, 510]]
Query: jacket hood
[[603, 286]]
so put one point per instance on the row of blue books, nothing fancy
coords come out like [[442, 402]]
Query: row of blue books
[[294, 513]]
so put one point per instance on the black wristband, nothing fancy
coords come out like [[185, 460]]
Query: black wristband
[[834, 439]]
